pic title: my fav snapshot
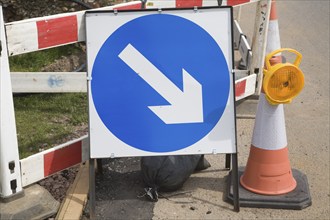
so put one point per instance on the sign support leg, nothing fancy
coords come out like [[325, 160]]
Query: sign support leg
[[92, 188], [227, 162], [235, 181], [99, 166]]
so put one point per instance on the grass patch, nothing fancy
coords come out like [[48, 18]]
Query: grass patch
[[33, 62], [44, 119]]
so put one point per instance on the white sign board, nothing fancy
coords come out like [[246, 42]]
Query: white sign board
[[160, 82]]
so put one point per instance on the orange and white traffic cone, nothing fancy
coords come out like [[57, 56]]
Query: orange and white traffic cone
[[268, 172], [268, 168], [268, 180]]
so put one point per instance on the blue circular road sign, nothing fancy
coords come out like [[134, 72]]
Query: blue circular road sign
[[171, 49]]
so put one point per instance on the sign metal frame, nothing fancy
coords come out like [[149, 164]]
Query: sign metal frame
[[231, 153]]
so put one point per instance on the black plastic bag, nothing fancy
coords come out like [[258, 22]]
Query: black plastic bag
[[168, 173]]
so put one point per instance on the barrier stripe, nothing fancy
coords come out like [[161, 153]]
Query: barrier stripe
[[22, 37], [236, 2], [63, 158], [41, 165], [188, 3], [245, 87], [129, 7], [57, 31], [240, 88]]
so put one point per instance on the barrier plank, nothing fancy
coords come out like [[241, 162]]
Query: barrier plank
[[55, 30], [48, 82], [48, 162]]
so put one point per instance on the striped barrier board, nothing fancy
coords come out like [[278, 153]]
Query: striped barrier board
[[245, 87], [43, 164], [51, 31]]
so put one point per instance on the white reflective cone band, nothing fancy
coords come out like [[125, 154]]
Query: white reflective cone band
[[269, 129]]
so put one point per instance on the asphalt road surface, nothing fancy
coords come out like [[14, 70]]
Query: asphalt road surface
[[304, 26]]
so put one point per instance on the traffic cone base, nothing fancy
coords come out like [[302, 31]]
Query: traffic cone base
[[297, 199], [268, 172]]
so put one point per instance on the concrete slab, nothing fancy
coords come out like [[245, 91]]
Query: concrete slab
[[37, 203]]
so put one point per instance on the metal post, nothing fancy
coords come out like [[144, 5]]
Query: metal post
[[10, 172], [92, 188], [235, 181], [227, 162], [99, 166]]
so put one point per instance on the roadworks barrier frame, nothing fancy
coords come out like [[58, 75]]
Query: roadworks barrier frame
[[41, 33]]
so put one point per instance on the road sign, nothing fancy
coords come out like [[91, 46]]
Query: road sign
[[160, 82]]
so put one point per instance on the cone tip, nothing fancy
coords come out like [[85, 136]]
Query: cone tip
[[273, 13]]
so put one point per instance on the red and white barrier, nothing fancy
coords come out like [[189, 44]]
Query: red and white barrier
[[245, 86], [48, 162], [52, 31]]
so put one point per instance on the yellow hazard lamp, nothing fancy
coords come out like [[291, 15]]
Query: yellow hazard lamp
[[283, 81]]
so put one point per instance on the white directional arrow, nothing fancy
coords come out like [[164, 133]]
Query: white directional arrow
[[186, 106]]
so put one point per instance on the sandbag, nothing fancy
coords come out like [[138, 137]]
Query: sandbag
[[168, 173]]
